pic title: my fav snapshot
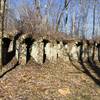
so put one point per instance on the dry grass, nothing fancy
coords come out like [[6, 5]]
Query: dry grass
[[60, 81]]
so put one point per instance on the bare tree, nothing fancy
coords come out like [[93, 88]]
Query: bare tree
[[50, 15], [94, 8], [93, 32], [2, 9], [64, 10]]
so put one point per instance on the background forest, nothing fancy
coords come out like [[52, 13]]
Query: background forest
[[79, 18]]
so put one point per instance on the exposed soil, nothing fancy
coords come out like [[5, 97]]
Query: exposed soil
[[60, 81]]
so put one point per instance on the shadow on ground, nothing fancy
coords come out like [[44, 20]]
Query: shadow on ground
[[86, 68]]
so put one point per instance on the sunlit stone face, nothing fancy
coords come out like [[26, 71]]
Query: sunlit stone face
[[22, 54], [66, 46], [51, 51], [37, 51]]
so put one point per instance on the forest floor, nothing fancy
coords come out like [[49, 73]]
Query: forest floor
[[59, 81]]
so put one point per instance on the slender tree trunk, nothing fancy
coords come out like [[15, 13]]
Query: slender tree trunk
[[66, 3], [2, 29], [93, 32], [93, 54]]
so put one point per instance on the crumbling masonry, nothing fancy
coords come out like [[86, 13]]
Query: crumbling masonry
[[25, 47], [22, 47]]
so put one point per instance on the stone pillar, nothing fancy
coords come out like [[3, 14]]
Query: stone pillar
[[51, 52], [48, 51], [74, 52], [37, 51], [96, 54], [55, 52], [98, 50], [63, 52], [17, 50], [21, 50], [85, 52], [60, 50], [10, 46], [22, 54]]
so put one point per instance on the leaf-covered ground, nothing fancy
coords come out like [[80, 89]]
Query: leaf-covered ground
[[60, 81]]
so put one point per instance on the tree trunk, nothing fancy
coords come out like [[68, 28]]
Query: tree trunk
[[93, 54], [93, 32], [2, 28]]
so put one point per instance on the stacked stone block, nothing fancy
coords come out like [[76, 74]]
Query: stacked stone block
[[63, 51], [96, 54], [51, 52], [37, 51], [75, 52], [23, 53], [17, 50], [10, 47], [21, 50], [85, 52]]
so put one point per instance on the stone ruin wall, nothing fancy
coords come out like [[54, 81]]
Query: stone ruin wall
[[43, 49]]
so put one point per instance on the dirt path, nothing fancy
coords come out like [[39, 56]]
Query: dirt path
[[60, 81]]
